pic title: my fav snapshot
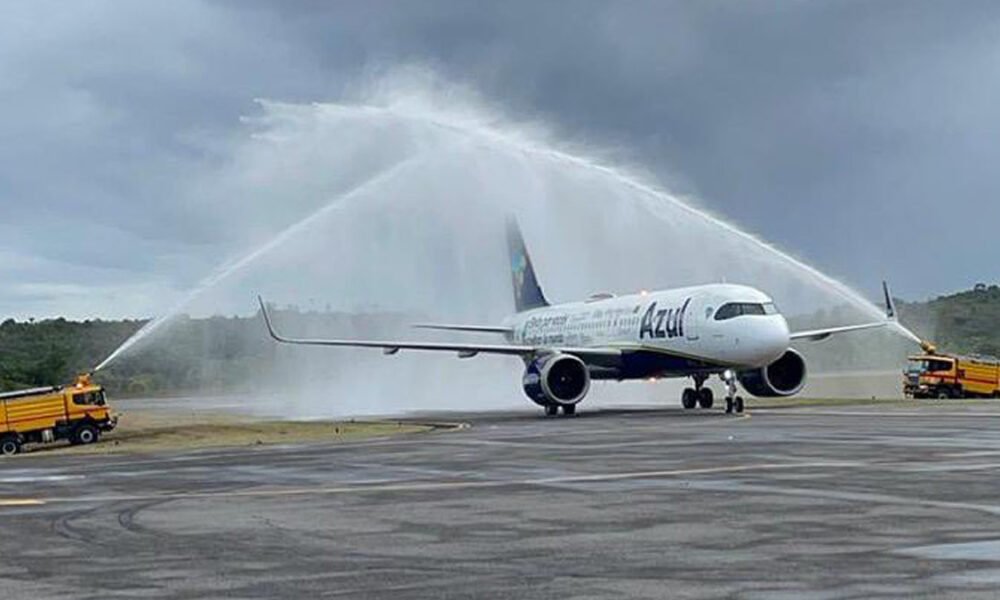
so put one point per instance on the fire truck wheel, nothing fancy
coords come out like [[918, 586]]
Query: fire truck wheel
[[10, 446], [943, 395], [86, 434]]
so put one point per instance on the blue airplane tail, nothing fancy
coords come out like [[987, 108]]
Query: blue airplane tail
[[527, 293]]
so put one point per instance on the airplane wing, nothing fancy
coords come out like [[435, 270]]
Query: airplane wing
[[463, 350], [471, 328], [816, 335]]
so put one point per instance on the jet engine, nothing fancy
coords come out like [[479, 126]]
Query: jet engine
[[560, 379], [784, 377]]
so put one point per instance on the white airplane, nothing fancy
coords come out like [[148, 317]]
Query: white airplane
[[732, 331]]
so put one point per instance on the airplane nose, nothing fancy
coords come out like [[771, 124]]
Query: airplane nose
[[772, 340], [780, 337], [758, 341]]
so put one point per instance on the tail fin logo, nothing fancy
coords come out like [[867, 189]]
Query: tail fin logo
[[527, 292], [518, 266]]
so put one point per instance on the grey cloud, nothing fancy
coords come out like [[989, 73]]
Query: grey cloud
[[834, 129], [840, 130]]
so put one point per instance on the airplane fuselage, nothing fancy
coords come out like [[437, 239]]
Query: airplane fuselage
[[733, 331], [673, 332]]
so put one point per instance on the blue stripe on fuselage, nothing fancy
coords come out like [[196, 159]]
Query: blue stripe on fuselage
[[641, 364]]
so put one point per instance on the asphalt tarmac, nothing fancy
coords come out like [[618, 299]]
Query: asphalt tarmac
[[820, 502]]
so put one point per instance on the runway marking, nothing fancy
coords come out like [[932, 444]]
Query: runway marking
[[38, 478], [452, 485], [942, 467], [21, 502], [805, 412], [513, 440], [848, 496], [970, 454], [665, 443]]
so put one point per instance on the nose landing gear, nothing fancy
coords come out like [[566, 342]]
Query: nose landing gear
[[734, 403]]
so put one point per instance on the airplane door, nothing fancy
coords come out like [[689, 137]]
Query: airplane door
[[692, 321]]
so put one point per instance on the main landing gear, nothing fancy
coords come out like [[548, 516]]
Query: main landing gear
[[552, 410], [701, 396]]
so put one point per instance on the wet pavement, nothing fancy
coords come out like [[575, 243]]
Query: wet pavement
[[822, 502]]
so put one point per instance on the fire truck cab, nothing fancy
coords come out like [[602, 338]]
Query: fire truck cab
[[942, 376]]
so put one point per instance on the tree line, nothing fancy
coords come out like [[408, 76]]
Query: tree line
[[220, 354]]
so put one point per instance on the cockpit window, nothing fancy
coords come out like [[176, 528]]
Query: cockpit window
[[728, 311], [739, 309]]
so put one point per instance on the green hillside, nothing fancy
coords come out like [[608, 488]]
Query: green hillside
[[215, 354], [963, 323], [53, 351], [966, 322]]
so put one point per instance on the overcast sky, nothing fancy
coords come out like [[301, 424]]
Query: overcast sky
[[862, 136]]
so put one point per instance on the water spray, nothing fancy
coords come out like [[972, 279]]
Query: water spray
[[647, 192], [235, 266], [449, 137]]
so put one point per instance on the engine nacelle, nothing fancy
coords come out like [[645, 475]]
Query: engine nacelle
[[784, 377], [556, 379]]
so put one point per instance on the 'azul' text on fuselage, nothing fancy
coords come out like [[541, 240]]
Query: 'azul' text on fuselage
[[663, 323]]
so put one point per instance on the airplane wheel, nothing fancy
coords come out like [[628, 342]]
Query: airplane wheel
[[738, 404], [551, 410], [706, 398], [689, 398], [569, 409]]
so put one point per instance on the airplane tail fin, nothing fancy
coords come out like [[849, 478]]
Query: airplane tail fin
[[527, 292], [890, 304]]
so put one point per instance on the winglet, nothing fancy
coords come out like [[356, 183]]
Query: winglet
[[890, 304], [267, 320]]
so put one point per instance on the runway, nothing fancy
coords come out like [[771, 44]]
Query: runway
[[817, 502]]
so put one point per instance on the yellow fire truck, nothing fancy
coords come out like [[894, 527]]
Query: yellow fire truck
[[78, 412], [933, 375]]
